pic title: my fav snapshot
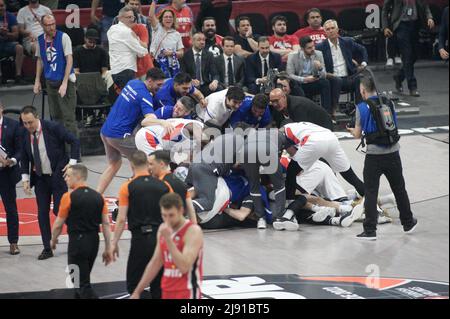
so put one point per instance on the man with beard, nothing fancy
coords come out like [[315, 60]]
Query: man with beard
[[90, 57], [213, 40], [314, 29], [280, 42]]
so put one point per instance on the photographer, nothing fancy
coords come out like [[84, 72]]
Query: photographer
[[382, 157]]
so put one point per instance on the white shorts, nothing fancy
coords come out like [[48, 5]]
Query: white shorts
[[320, 180], [147, 142], [326, 146], [222, 199]]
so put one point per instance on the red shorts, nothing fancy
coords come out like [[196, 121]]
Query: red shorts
[[180, 294]]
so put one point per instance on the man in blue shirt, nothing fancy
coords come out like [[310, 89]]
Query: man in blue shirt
[[382, 158], [9, 35], [253, 111], [182, 109], [174, 89], [134, 103]]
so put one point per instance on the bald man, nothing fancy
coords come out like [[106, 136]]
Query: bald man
[[297, 109]]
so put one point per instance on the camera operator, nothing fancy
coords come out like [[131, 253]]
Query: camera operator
[[382, 157]]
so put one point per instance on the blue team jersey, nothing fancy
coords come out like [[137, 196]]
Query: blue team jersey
[[132, 105], [167, 96], [244, 114], [166, 112], [368, 124]]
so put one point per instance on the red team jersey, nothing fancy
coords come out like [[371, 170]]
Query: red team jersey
[[286, 42], [174, 284], [316, 35]]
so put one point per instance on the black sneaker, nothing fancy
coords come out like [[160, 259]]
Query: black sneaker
[[46, 254], [285, 224], [410, 228], [367, 236]]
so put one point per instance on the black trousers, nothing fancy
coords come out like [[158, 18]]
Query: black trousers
[[141, 252], [322, 87], [346, 84], [393, 49], [407, 35], [45, 188], [8, 196], [82, 252], [389, 165]]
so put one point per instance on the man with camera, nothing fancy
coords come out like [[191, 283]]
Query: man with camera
[[376, 122]]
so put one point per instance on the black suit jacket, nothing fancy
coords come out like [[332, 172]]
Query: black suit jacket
[[56, 137], [238, 70], [11, 141], [209, 73], [393, 11], [301, 109], [253, 68]]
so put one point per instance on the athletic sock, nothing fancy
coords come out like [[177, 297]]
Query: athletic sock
[[288, 214]]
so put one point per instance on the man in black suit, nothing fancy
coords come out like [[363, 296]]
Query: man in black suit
[[230, 67], [258, 65], [43, 163], [199, 64], [10, 143]]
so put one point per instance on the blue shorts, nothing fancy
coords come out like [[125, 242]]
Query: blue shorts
[[7, 49]]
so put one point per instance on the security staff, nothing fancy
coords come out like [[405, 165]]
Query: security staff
[[83, 210], [138, 202], [10, 144], [382, 157], [159, 167]]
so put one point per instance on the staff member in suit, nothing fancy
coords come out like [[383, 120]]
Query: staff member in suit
[[340, 56], [258, 65], [43, 163], [199, 64], [10, 141], [229, 66]]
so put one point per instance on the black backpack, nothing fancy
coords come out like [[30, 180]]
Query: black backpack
[[383, 111]]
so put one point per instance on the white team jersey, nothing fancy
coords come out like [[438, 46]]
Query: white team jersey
[[300, 132], [152, 138], [216, 111]]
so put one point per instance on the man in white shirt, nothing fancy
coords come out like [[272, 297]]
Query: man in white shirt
[[124, 48], [220, 106], [29, 20]]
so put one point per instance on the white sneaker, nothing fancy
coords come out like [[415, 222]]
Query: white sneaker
[[262, 224], [390, 63], [323, 213], [335, 221], [345, 209], [286, 224], [398, 60], [358, 210], [387, 199]]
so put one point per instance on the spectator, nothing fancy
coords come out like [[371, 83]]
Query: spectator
[[246, 41], [144, 63], [29, 19], [297, 109], [230, 67], [199, 64], [443, 36], [55, 61], [135, 4], [90, 57], [51, 4], [220, 106], [124, 48], [109, 13], [307, 67], [213, 40], [314, 28], [182, 109], [402, 19], [9, 35], [220, 10], [43, 164], [339, 54], [167, 45], [280, 42], [184, 19], [135, 102], [173, 89], [253, 111], [288, 85], [258, 65]]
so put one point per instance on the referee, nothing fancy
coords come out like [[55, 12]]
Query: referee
[[83, 210], [139, 203]]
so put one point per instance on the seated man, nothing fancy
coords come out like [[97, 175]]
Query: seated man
[[258, 65], [280, 42], [246, 41], [199, 64], [90, 57], [308, 68], [173, 89], [254, 112], [289, 86], [339, 54], [314, 29], [182, 109], [230, 67], [9, 35], [213, 40]]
